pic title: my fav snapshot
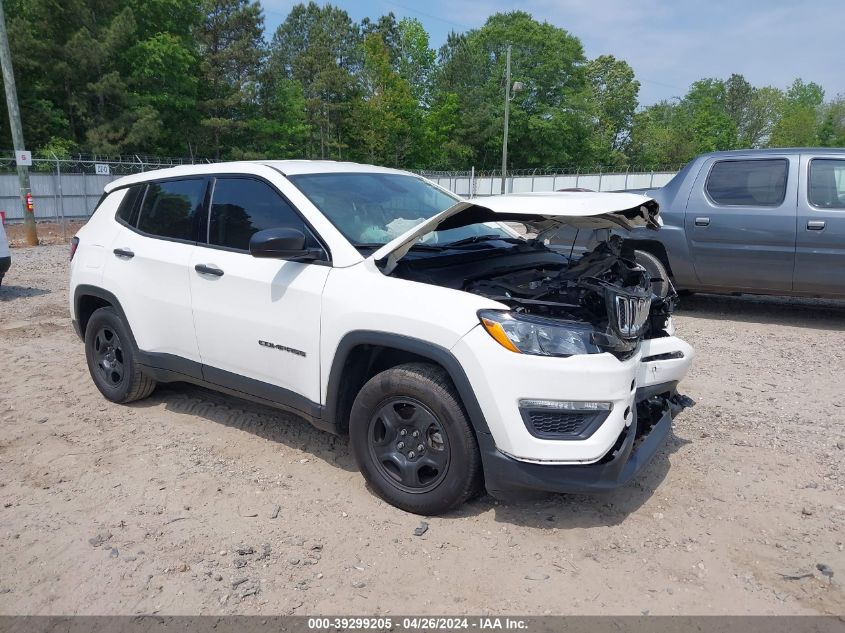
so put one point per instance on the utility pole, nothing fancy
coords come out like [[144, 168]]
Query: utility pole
[[17, 131], [507, 108]]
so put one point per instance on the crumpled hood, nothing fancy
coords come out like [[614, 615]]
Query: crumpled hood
[[537, 211]]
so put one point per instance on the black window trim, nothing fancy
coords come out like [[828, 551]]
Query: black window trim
[[214, 177], [807, 192], [146, 184], [783, 159]]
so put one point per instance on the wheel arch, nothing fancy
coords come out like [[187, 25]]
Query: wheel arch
[[363, 353], [656, 248], [87, 299]]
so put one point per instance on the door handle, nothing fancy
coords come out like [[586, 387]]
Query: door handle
[[208, 270], [123, 252], [815, 225], [702, 221]]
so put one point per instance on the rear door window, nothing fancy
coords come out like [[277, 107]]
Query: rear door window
[[826, 187], [748, 183], [172, 209], [241, 207]]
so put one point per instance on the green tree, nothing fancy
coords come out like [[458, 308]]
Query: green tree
[[549, 124], [614, 93], [386, 27], [660, 137], [705, 106], [319, 47], [164, 76], [832, 128], [281, 131], [387, 117], [440, 147], [231, 48], [798, 123], [415, 59]]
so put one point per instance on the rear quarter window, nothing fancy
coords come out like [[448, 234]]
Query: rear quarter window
[[748, 183], [127, 211]]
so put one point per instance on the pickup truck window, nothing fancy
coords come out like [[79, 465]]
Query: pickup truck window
[[748, 183], [827, 183]]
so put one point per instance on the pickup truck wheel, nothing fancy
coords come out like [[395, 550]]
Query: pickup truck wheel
[[111, 358], [412, 440], [655, 268]]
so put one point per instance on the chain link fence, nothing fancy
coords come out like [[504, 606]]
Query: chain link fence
[[67, 189]]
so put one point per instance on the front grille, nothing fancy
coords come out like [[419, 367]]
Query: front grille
[[562, 425], [631, 314]]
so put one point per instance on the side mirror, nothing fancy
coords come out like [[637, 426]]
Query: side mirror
[[281, 243]]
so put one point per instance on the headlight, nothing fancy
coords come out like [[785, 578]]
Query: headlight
[[525, 334]]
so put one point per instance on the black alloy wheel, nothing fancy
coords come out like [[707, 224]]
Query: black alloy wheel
[[108, 351], [412, 440], [111, 355], [409, 445]]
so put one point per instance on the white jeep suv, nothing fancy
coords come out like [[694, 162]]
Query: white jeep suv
[[457, 352]]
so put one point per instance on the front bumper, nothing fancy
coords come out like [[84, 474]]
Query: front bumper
[[500, 379], [635, 447], [5, 262]]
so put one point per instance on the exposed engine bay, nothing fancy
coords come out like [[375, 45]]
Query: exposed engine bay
[[604, 287]]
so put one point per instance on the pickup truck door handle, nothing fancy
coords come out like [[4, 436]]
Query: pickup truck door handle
[[702, 221], [815, 225], [208, 270], [123, 252]]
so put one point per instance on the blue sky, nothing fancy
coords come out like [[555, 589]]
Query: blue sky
[[669, 43]]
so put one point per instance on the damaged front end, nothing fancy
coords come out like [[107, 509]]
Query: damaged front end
[[605, 289]]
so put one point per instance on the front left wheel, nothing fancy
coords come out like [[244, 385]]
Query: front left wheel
[[412, 440], [111, 358]]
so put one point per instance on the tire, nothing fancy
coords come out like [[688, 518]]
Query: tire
[[657, 271], [111, 358], [389, 409]]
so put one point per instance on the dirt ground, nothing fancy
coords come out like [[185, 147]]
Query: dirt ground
[[48, 233], [196, 503]]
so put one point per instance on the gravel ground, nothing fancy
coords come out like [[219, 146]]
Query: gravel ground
[[196, 503]]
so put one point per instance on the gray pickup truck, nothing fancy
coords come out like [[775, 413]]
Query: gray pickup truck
[[754, 221]]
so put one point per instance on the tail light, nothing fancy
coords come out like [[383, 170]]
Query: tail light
[[74, 244]]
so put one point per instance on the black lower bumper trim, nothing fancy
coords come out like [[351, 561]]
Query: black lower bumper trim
[[5, 262], [505, 475]]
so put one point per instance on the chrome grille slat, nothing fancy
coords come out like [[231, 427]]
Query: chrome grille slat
[[631, 314]]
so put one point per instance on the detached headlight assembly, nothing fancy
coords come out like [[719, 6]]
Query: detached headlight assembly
[[525, 334]]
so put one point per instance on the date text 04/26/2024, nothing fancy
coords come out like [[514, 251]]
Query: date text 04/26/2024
[[417, 623]]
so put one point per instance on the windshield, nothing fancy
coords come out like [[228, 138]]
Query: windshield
[[370, 209]]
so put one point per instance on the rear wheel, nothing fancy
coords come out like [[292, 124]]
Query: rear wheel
[[111, 358], [656, 270], [412, 440]]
